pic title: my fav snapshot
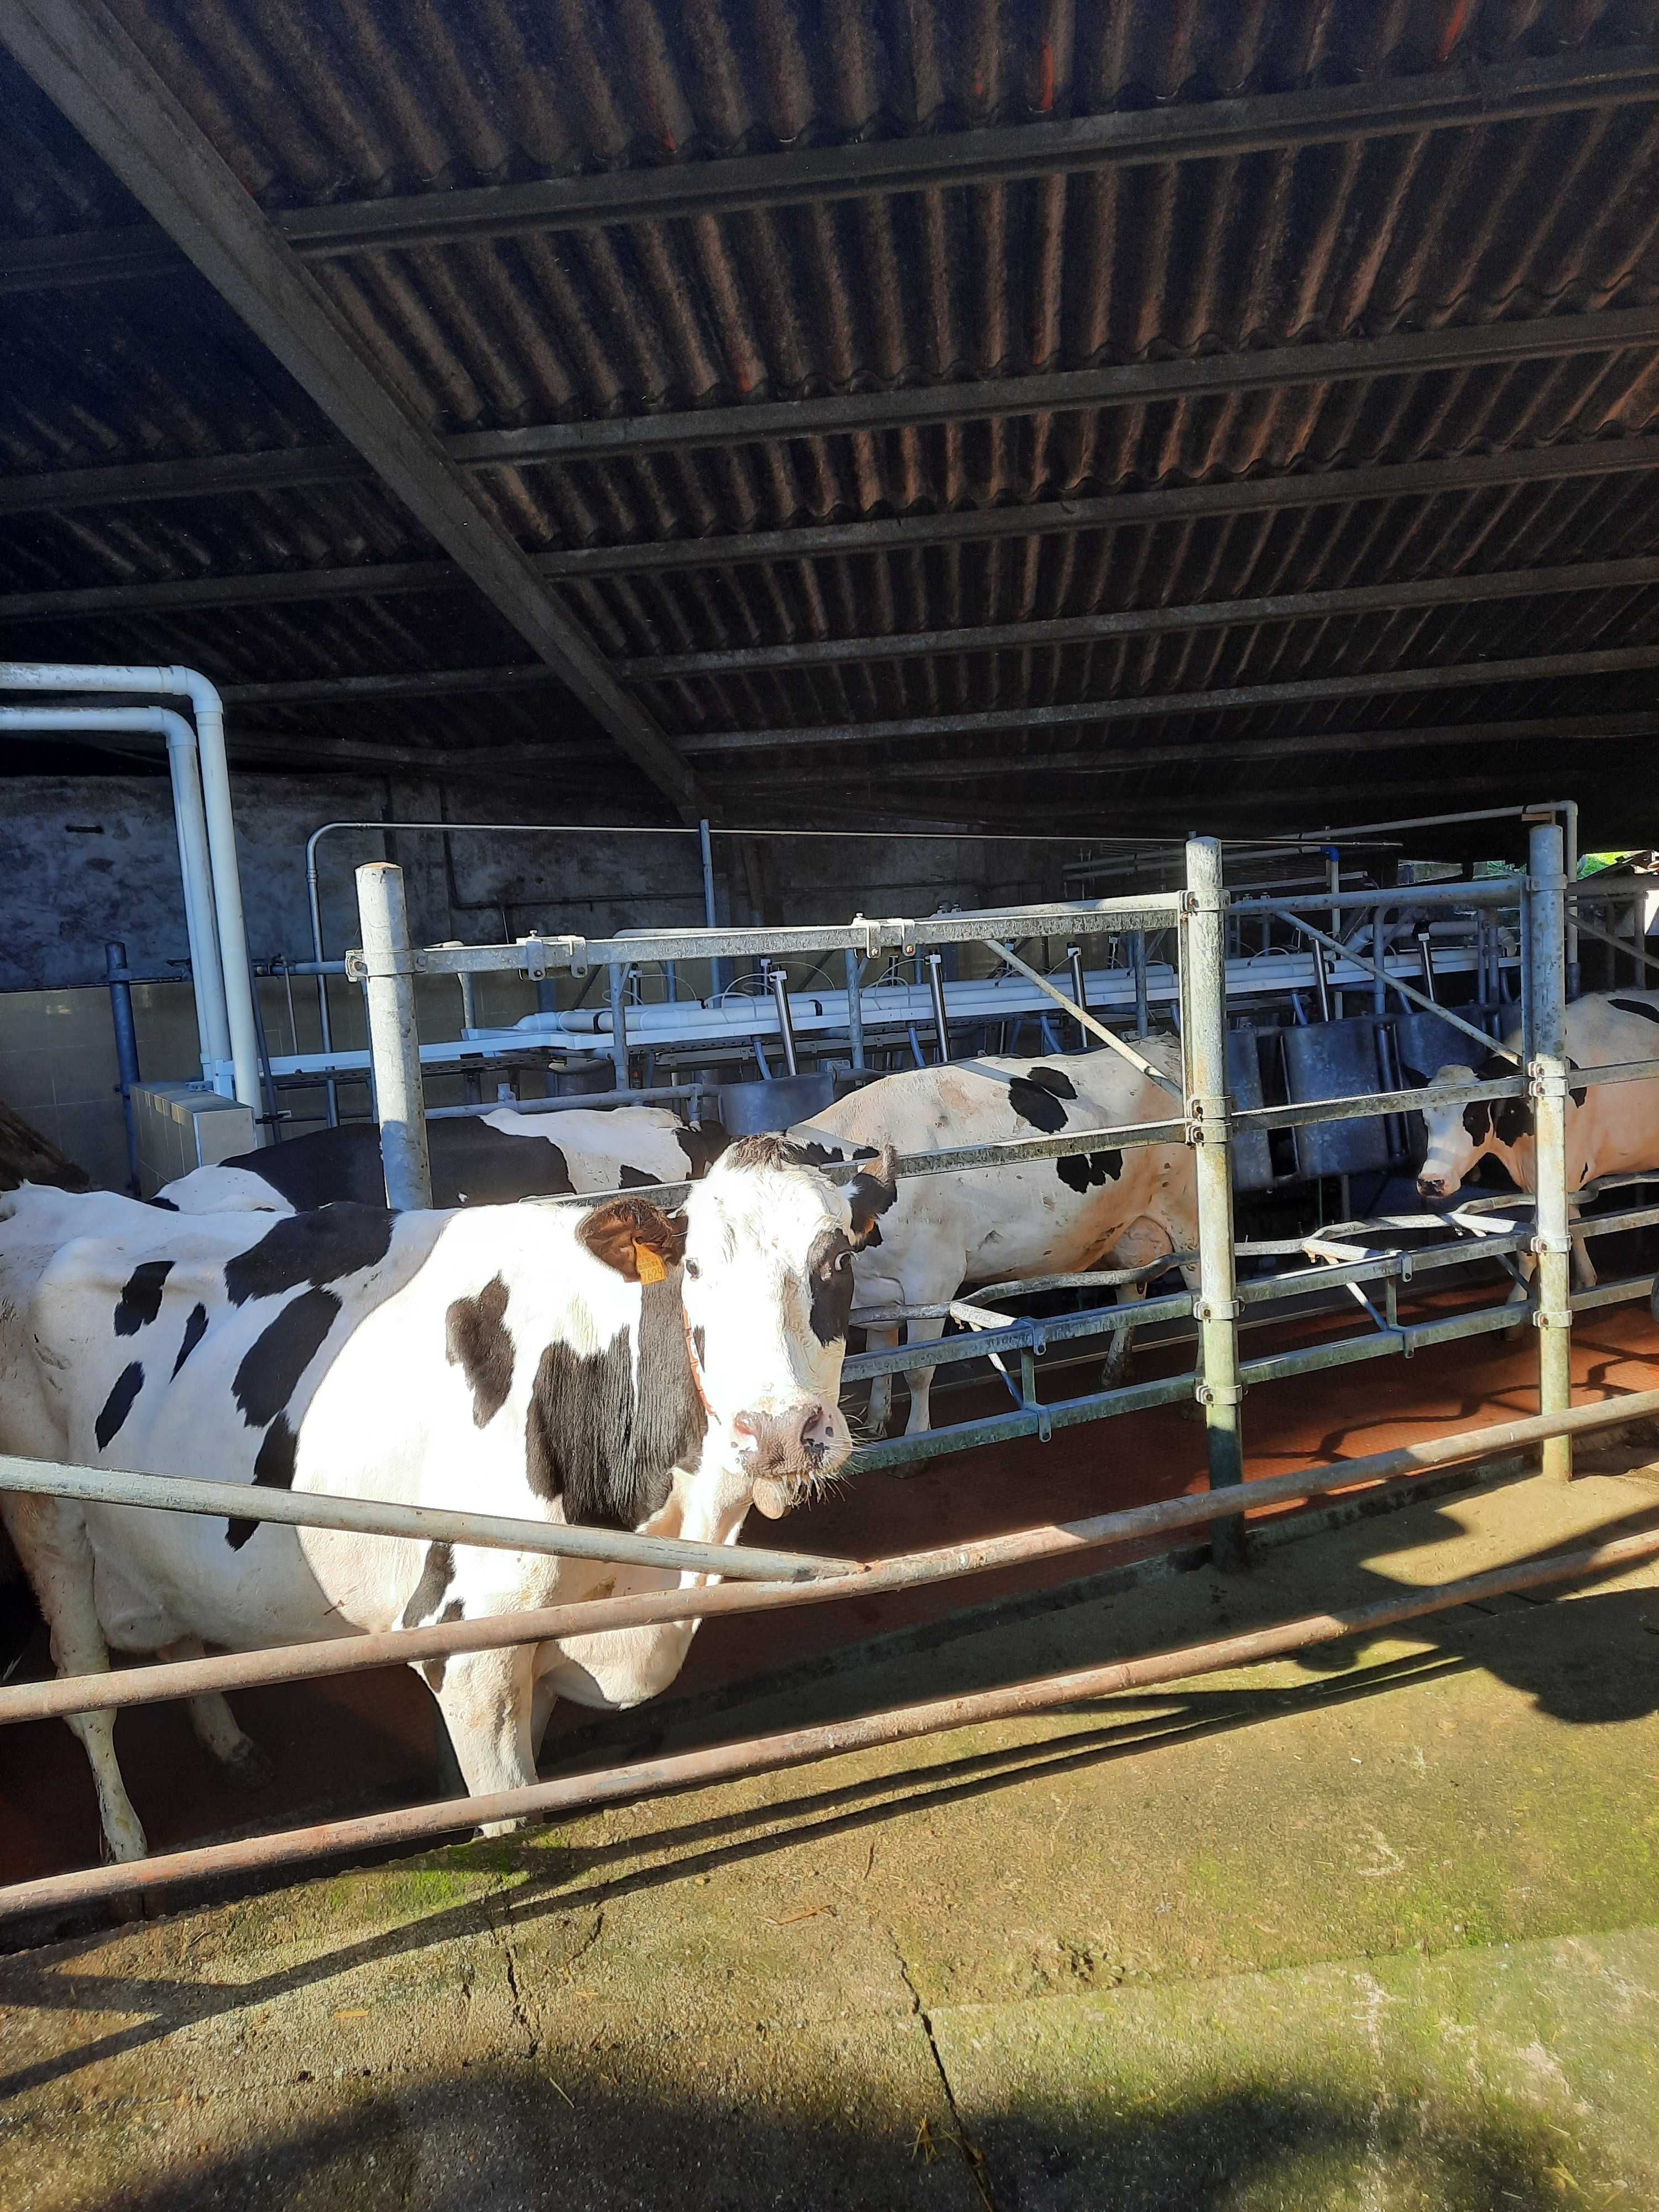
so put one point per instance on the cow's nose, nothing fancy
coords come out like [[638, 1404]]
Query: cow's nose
[[792, 1441], [1431, 1187]]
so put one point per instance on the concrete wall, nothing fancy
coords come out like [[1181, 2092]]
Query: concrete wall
[[87, 860]]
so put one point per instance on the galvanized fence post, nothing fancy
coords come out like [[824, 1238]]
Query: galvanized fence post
[[1204, 974], [394, 1040], [1547, 1072]]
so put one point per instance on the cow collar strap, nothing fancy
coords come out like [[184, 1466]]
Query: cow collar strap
[[696, 1363]]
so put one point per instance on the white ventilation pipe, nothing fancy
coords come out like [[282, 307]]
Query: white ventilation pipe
[[209, 709], [206, 976]]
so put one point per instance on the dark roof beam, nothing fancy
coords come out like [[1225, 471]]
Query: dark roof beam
[[1582, 729], [1057, 392], [1048, 518], [87, 65], [1376, 682], [1151, 622], [1459, 97]]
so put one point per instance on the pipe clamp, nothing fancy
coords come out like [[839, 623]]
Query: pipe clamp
[[1543, 1242], [1215, 1309], [1218, 1393], [363, 968], [1552, 1317]]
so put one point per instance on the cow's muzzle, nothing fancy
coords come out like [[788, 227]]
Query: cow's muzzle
[[790, 1453], [1430, 1185]]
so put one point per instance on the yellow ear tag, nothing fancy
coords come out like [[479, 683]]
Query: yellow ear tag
[[649, 1264]]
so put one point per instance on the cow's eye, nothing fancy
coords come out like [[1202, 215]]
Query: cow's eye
[[692, 1269]]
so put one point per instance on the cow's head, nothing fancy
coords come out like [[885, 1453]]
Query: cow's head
[[762, 1259], [1461, 1136]]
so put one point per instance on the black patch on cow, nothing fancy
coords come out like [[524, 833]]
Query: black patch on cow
[[872, 1236], [702, 1147], [141, 1296], [814, 1155], [312, 1249], [1414, 1076], [1506, 1120], [1037, 1098], [471, 1163], [1079, 1170], [830, 1271], [477, 1340], [165, 1205], [194, 1330], [700, 1341], [280, 1355], [1579, 1097], [609, 1451], [635, 1179], [273, 1469], [1636, 1007], [436, 1576], [118, 1404]]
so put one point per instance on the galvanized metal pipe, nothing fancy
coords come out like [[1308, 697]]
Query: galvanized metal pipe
[[1204, 1045], [616, 986], [941, 1019], [777, 979], [854, 967], [424, 1525], [1084, 1019], [394, 1040], [153, 1685], [799, 1747], [1546, 978], [1417, 998], [1138, 964], [126, 1047]]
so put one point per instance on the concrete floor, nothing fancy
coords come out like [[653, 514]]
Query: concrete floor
[[1377, 1930]]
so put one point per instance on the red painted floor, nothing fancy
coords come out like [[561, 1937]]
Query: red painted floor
[[367, 1742]]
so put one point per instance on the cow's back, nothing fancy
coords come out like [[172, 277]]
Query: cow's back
[[1616, 1130], [1032, 1216]]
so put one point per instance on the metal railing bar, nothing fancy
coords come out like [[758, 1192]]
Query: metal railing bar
[[799, 1747], [150, 1685], [425, 1524]]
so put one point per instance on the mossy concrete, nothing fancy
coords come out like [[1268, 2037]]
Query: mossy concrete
[[1372, 1927]]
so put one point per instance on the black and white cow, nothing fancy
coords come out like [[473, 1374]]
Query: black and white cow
[[480, 1160], [617, 1367], [1613, 1129], [1087, 1209]]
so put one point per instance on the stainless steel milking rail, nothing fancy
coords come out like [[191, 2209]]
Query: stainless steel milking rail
[[1208, 1122]]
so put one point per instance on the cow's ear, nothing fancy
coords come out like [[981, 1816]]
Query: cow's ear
[[1415, 1078], [636, 1238], [869, 1193]]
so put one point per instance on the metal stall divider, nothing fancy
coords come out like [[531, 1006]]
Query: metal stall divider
[[1544, 919], [1203, 935]]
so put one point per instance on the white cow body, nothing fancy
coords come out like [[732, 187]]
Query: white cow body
[[522, 1361], [1613, 1129], [1094, 1208], [583, 1150]]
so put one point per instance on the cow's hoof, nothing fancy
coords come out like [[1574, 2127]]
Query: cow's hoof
[[247, 1767]]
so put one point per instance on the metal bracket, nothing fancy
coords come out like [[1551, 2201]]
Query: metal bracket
[[1546, 1082], [1045, 1427], [1547, 883], [1215, 1309], [1218, 1393], [360, 969], [1544, 1242], [1552, 1317]]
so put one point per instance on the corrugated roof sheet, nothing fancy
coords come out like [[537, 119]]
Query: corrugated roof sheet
[[367, 100]]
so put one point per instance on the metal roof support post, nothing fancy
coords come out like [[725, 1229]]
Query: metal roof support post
[[1547, 986], [387, 968], [1204, 1048]]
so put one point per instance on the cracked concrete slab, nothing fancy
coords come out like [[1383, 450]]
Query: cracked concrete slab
[[1521, 2076], [846, 1984]]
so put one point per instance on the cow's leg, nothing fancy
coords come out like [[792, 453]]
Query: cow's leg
[[487, 1701], [52, 1542], [1521, 1294], [238, 1757], [1584, 1267], [1115, 1368], [881, 1386], [925, 1328]]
